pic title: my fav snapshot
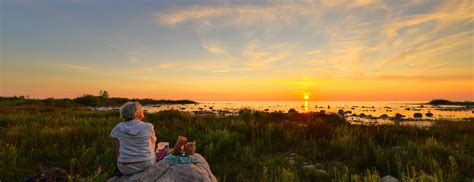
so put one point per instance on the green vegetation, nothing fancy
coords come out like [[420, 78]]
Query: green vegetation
[[102, 99], [254, 146], [447, 102]]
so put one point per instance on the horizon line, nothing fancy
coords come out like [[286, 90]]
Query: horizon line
[[266, 100]]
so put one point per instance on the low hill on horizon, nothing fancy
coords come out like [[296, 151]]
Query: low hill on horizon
[[448, 102], [87, 100]]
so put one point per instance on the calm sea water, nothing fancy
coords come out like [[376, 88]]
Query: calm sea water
[[372, 109]]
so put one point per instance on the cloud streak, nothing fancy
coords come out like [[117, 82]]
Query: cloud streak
[[235, 15], [256, 57], [451, 12], [313, 52], [77, 67], [214, 48]]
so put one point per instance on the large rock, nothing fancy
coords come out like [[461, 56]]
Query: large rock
[[162, 171], [388, 178]]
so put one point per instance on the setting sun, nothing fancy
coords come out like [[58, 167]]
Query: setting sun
[[306, 97]]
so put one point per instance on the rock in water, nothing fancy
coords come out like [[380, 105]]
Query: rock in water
[[162, 171]]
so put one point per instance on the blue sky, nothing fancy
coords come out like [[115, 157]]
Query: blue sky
[[239, 50]]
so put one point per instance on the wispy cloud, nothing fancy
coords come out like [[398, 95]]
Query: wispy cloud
[[191, 14], [236, 15], [451, 12], [257, 57], [313, 52], [350, 3], [214, 48], [168, 65], [359, 45], [77, 67], [425, 52]]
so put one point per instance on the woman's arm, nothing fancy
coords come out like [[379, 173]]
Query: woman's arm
[[153, 138], [116, 144]]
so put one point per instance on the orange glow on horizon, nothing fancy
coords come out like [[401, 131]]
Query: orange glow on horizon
[[249, 89]]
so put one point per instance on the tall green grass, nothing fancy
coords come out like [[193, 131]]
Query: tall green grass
[[253, 146]]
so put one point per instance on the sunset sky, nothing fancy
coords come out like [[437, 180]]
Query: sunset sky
[[238, 50]]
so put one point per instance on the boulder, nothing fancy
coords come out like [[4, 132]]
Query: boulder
[[417, 115], [292, 111], [429, 114], [388, 178], [162, 171]]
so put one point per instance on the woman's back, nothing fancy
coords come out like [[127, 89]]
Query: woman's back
[[137, 141], [134, 140]]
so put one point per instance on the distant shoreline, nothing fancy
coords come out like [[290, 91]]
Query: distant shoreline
[[87, 100], [447, 102]]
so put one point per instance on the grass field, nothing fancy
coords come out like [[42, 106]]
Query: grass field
[[253, 146]]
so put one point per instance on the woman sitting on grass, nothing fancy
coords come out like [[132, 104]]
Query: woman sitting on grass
[[134, 140]]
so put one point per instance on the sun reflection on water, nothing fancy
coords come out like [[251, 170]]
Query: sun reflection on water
[[306, 105], [306, 98]]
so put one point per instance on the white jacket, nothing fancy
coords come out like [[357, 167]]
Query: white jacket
[[137, 141]]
